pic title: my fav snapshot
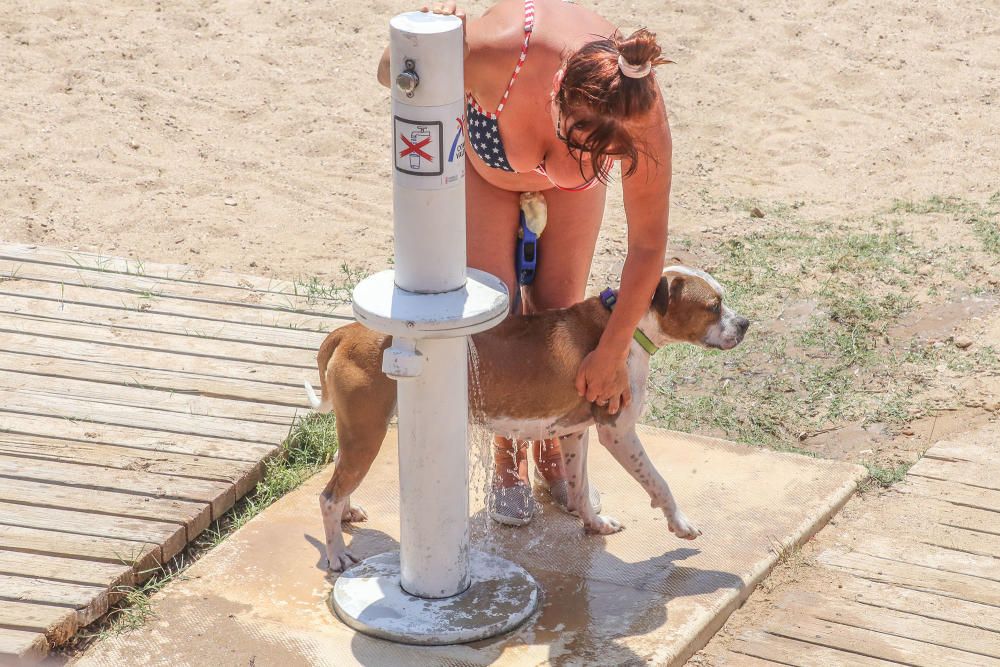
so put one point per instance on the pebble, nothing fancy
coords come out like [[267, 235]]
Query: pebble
[[992, 406], [230, 201], [963, 342], [756, 213], [907, 431], [133, 144]]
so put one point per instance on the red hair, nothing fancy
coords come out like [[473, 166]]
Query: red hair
[[601, 98]]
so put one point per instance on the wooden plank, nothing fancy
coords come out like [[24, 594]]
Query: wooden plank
[[875, 644], [219, 495], [114, 314], [963, 472], [70, 570], [195, 517], [891, 622], [169, 381], [920, 603], [784, 651], [927, 555], [90, 410], [143, 437], [928, 513], [952, 492], [984, 453], [289, 360], [124, 532], [166, 401], [960, 539], [143, 556], [58, 624], [915, 576], [173, 272], [25, 647], [242, 474], [265, 301], [90, 602], [271, 322], [181, 362]]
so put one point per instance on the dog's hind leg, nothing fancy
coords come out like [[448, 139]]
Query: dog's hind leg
[[353, 463], [625, 446], [574, 449], [352, 513], [363, 404]]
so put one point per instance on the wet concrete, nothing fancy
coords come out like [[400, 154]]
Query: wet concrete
[[640, 596]]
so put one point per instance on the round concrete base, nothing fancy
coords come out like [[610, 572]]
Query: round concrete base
[[368, 598]]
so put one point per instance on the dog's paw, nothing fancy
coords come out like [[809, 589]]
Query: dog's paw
[[338, 562], [682, 527], [603, 525], [354, 514]]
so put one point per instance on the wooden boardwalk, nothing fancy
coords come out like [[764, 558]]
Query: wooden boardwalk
[[916, 583], [139, 401]]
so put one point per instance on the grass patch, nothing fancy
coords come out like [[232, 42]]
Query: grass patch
[[338, 290], [824, 297], [311, 444], [882, 477], [983, 218]]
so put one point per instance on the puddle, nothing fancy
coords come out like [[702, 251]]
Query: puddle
[[938, 320], [795, 316]]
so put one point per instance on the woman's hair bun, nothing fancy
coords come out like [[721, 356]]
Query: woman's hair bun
[[639, 48]]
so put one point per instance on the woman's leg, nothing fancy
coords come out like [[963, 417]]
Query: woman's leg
[[491, 232], [565, 253]]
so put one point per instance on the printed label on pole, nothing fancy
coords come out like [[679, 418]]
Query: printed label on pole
[[418, 146]]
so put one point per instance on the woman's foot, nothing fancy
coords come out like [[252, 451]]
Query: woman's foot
[[510, 501], [512, 505]]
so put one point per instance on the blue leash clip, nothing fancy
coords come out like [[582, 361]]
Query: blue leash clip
[[526, 253]]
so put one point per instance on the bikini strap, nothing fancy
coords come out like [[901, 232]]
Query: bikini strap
[[529, 25]]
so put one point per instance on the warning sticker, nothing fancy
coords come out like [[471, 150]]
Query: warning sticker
[[418, 147]]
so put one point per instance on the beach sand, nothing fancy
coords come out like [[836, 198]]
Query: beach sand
[[252, 135]]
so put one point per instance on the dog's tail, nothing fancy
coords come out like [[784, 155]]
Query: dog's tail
[[311, 394]]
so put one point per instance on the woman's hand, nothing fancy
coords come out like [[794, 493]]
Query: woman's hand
[[603, 379], [450, 9]]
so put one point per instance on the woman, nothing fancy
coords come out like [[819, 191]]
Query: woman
[[555, 96]]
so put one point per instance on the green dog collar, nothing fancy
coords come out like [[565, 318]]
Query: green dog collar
[[609, 298]]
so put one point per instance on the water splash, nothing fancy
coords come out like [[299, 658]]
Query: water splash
[[481, 526]]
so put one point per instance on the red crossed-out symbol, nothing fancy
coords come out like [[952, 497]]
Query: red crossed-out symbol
[[415, 148]]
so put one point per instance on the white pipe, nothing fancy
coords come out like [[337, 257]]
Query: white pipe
[[428, 152], [434, 472], [429, 226]]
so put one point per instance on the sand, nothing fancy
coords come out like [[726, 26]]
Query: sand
[[251, 135]]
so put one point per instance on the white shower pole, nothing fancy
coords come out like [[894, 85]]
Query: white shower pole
[[433, 590]]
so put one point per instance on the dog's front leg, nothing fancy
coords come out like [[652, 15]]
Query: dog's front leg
[[574, 449], [624, 444]]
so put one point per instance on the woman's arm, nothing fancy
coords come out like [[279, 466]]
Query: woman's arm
[[602, 374]]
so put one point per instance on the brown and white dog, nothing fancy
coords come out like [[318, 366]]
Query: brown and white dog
[[526, 373]]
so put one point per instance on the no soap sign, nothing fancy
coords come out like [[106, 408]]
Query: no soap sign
[[418, 146]]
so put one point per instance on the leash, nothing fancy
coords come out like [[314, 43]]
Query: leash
[[526, 252], [608, 299]]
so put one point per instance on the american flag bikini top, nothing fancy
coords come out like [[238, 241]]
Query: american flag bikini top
[[483, 127], [484, 132]]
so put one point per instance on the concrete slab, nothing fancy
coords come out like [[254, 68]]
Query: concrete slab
[[639, 596]]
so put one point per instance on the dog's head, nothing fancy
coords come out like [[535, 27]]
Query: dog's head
[[688, 307]]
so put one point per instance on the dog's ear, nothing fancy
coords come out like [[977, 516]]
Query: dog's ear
[[661, 297]]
